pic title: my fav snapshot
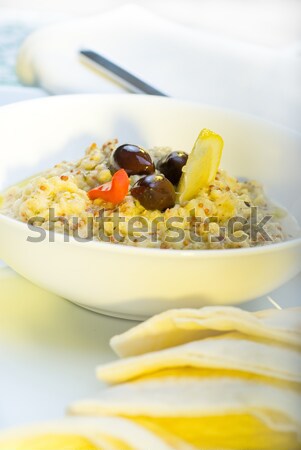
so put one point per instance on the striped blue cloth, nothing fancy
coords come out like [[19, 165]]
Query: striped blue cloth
[[12, 34]]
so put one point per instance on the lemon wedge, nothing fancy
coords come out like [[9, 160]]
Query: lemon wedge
[[202, 165]]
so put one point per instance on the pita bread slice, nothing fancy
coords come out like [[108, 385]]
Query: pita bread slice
[[208, 412], [232, 351], [179, 326], [82, 433], [239, 432]]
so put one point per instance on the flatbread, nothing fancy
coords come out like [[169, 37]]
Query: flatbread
[[106, 433], [176, 327], [232, 351], [238, 413], [230, 432], [191, 397]]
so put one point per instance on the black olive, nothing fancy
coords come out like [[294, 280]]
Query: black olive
[[171, 166], [133, 159], [154, 192]]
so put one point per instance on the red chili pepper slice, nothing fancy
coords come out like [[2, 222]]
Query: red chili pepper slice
[[114, 191]]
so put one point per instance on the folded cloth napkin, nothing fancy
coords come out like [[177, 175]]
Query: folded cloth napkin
[[183, 62]]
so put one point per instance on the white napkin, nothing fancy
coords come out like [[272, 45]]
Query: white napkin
[[183, 62]]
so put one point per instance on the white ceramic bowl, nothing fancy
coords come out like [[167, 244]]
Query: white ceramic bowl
[[131, 282]]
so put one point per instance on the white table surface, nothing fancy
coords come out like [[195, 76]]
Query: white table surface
[[49, 348]]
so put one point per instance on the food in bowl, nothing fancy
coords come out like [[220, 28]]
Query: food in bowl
[[160, 197]]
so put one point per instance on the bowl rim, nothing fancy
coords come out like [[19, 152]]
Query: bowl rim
[[158, 251], [153, 98]]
